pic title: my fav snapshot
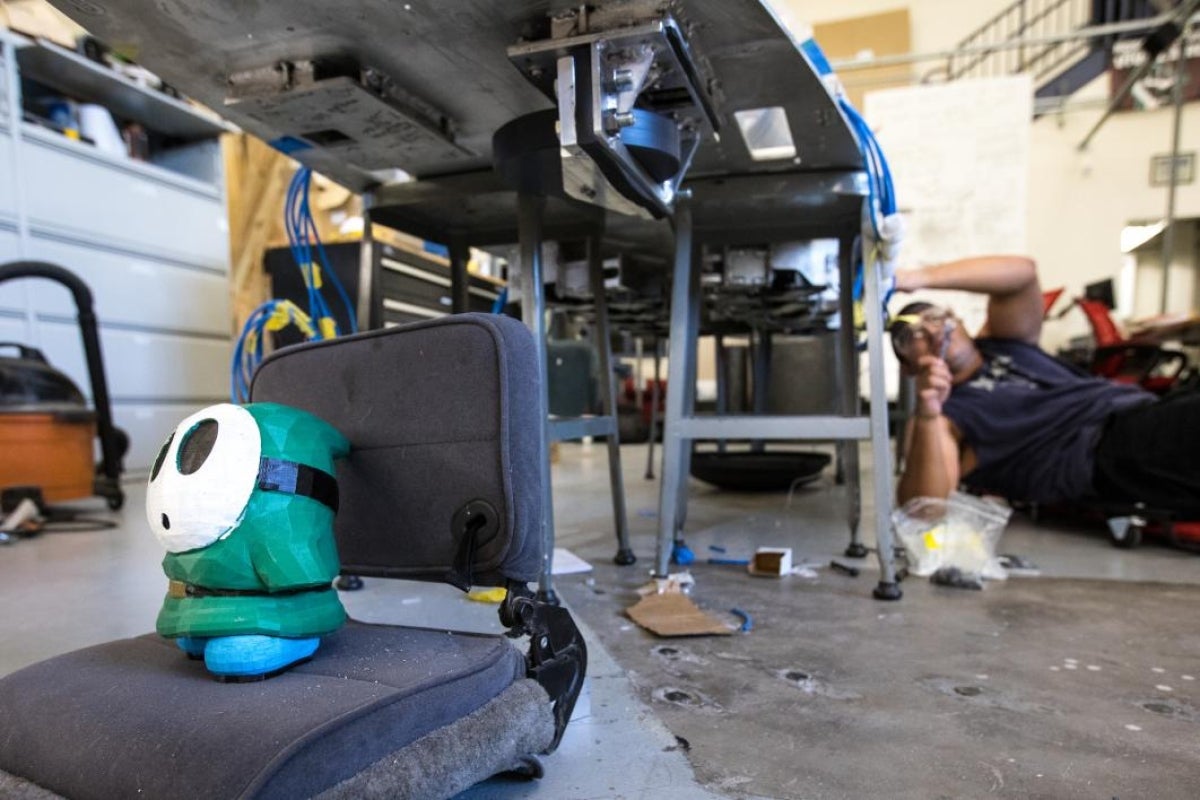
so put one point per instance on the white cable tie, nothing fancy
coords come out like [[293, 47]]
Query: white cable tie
[[892, 236]]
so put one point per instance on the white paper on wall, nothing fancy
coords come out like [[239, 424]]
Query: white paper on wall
[[959, 154]]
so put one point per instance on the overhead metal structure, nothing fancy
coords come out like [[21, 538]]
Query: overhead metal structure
[[637, 125]]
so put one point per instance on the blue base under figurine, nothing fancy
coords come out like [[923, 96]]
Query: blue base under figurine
[[248, 657]]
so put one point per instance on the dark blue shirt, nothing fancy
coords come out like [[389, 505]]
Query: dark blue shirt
[[1033, 422]]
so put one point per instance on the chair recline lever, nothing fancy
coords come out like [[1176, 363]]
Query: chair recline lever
[[557, 657]]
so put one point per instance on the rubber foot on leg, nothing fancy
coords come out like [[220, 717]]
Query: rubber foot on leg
[[856, 550], [349, 583], [681, 554], [624, 557], [887, 591]]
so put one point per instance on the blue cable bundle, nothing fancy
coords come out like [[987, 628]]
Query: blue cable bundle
[[881, 191], [501, 301], [273, 315], [305, 242]]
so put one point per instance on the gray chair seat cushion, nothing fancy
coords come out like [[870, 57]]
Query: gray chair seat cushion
[[136, 718]]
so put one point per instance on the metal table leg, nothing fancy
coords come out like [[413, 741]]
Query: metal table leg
[[691, 365], [533, 313], [460, 255], [760, 354], [370, 292], [848, 396], [638, 355], [369, 315], [881, 452], [624, 556], [684, 298], [722, 383], [653, 410]]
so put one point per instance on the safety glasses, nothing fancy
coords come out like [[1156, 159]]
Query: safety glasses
[[928, 331]]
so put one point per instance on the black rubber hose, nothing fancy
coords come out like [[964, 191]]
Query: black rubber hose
[[91, 348]]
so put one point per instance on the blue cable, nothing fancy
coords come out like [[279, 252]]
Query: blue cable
[[242, 368], [881, 190], [302, 230], [298, 247], [501, 301]]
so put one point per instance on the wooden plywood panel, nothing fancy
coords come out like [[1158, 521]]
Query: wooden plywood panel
[[886, 34]]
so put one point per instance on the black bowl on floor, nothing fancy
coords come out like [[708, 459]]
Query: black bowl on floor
[[758, 472]]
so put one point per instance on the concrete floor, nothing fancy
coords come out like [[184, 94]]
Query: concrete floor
[[945, 694]]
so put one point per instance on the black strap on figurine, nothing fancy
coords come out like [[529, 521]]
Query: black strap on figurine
[[180, 589], [280, 475]]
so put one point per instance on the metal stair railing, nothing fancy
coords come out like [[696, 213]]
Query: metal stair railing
[[1032, 19]]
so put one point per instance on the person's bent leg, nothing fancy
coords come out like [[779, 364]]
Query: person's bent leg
[[1151, 455]]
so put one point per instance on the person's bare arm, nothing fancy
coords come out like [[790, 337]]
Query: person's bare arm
[[931, 465], [1010, 282]]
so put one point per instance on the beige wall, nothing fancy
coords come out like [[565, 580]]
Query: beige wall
[[1079, 202]]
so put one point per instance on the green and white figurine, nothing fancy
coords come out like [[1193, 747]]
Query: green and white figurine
[[243, 498]]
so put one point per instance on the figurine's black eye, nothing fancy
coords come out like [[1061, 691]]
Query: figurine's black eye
[[196, 445], [162, 455]]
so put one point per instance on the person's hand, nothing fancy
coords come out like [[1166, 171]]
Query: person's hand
[[933, 385], [907, 280]]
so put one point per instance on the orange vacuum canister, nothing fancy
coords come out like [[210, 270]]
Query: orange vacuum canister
[[46, 429]]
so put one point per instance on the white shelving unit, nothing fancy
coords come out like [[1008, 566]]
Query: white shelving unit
[[150, 239]]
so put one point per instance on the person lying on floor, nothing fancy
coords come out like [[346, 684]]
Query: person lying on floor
[[1000, 414]]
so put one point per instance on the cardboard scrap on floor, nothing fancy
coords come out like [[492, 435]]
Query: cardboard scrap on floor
[[674, 614]]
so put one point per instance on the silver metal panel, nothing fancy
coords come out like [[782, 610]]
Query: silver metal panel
[[818, 428], [565, 429], [12, 329], [451, 56], [133, 290], [150, 217], [12, 294], [142, 366], [8, 185], [369, 132]]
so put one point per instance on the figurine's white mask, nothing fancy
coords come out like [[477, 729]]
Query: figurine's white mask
[[203, 477]]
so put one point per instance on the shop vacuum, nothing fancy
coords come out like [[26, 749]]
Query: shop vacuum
[[47, 431]]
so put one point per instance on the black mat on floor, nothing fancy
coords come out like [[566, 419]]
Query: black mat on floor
[[1032, 688]]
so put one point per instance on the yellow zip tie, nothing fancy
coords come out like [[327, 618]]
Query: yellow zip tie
[[328, 327], [316, 276]]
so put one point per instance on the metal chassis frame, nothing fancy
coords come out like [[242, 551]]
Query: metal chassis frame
[[682, 426]]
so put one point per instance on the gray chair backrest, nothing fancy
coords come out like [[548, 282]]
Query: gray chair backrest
[[443, 422]]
